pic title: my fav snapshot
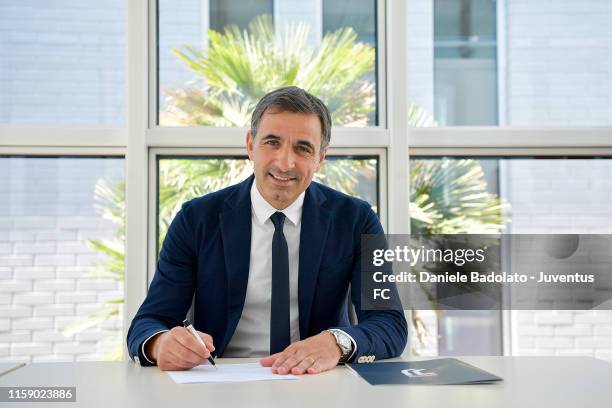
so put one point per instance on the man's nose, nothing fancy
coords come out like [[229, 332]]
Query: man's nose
[[286, 159]]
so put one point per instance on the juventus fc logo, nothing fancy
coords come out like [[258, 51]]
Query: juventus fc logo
[[413, 372]]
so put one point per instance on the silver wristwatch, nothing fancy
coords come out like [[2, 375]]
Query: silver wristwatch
[[344, 343]]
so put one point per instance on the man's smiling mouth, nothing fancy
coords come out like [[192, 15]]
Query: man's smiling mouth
[[282, 179]]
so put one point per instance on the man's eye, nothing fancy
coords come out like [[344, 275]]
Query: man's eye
[[304, 149], [272, 142]]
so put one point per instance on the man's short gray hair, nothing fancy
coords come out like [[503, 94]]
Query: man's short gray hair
[[296, 100]]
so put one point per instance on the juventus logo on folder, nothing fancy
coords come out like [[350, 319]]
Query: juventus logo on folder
[[413, 372]]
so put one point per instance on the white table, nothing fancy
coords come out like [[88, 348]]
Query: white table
[[528, 382]]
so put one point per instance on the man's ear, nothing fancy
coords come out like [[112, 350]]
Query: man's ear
[[249, 144], [322, 158]]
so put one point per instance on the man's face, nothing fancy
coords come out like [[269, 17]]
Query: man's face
[[286, 153]]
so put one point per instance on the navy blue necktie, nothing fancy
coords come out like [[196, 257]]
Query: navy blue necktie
[[280, 336]]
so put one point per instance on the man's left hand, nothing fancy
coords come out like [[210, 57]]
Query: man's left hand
[[314, 355]]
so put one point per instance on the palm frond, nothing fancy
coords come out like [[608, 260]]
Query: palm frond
[[239, 67]]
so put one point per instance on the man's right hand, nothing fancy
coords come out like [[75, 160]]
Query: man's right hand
[[178, 349]]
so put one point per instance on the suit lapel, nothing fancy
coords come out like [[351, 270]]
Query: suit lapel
[[235, 222], [313, 235]]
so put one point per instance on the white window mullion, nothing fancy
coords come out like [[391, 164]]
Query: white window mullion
[[152, 68], [62, 151], [455, 151], [502, 64], [56, 136], [508, 137], [381, 64], [397, 111], [136, 185]]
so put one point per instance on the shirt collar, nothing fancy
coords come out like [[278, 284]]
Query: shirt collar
[[264, 210]]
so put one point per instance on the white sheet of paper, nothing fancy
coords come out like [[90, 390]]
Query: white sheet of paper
[[226, 373]]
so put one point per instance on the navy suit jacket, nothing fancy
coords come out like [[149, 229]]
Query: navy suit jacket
[[207, 252]]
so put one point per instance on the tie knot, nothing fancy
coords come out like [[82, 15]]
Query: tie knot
[[278, 218]]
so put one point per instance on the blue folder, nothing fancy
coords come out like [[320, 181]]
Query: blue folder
[[443, 371]]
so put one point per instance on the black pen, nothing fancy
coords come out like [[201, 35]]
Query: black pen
[[189, 327]]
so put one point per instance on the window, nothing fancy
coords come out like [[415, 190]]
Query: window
[[465, 57], [216, 62], [362, 18], [61, 255], [511, 63], [537, 196], [62, 62]]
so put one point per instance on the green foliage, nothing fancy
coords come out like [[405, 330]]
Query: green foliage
[[239, 67], [181, 180], [344, 174], [451, 197], [419, 117]]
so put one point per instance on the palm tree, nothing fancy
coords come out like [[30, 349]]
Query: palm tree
[[239, 67]]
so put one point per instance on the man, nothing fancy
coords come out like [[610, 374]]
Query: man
[[269, 260]]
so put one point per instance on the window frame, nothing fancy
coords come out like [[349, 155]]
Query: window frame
[[153, 72], [140, 139]]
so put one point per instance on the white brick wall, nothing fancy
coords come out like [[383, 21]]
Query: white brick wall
[[62, 61], [560, 196], [44, 225], [559, 69]]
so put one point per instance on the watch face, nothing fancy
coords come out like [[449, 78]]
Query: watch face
[[346, 343], [343, 341]]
